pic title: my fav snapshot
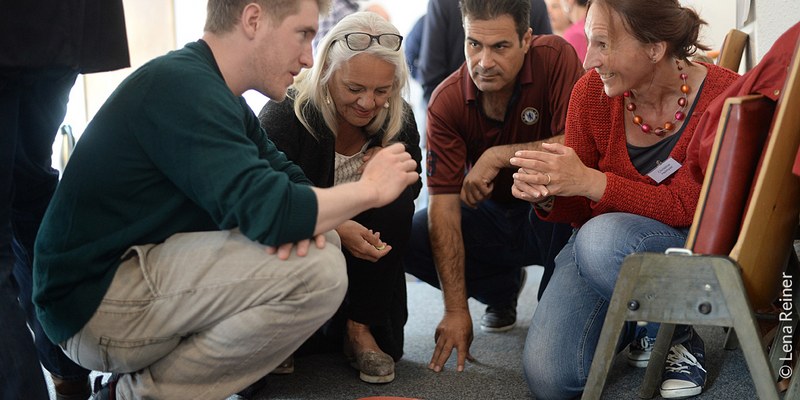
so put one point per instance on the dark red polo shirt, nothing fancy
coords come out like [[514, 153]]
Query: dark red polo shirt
[[458, 132]]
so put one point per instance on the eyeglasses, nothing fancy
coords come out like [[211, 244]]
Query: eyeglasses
[[360, 41]]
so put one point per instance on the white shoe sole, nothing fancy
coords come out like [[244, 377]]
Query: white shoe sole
[[681, 393], [638, 363], [376, 379], [497, 330]]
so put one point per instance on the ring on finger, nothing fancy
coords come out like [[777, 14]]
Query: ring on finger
[[548, 179]]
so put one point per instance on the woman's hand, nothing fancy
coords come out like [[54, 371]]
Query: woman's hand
[[525, 187], [556, 170], [368, 156], [362, 242]]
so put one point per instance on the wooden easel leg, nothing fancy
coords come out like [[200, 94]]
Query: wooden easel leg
[[658, 357], [731, 341], [609, 335], [746, 327]]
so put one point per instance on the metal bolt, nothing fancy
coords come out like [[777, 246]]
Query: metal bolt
[[704, 308], [633, 305]]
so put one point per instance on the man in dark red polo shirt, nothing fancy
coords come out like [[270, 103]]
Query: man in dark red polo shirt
[[475, 238]]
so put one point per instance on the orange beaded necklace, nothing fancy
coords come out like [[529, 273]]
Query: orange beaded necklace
[[668, 126]]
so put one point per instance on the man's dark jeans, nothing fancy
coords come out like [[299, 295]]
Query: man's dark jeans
[[499, 239], [33, 104]]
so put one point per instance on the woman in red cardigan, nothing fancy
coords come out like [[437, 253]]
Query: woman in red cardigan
[[618, 179]]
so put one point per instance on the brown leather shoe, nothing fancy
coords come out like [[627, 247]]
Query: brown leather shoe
[[71, 390]]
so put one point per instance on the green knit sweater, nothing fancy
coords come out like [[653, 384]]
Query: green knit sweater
[[172, 150]]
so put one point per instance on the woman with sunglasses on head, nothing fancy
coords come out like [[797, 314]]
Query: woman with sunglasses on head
[[336, 116]]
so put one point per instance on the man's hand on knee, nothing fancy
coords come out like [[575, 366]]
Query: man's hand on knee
[[285, 250]]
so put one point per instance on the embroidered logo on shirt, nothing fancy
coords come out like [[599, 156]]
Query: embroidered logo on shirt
[[530, 116], [431, 163]]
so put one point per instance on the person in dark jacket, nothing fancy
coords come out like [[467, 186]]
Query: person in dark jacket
[[43, 48], [413, 45], [337, 115]]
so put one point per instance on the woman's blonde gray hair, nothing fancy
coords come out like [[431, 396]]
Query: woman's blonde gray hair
[[311, 86]]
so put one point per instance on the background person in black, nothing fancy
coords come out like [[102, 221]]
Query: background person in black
[[43, 48]]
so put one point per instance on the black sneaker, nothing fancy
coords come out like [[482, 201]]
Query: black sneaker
[[499, 319], [503, 318], [105, 391], [252, 391], [685, 373]]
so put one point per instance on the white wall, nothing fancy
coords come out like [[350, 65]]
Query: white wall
[[763, 20], [720, 16], [190, 16], [768, 19], [404, 13]]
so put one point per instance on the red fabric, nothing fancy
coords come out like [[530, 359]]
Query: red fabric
[[458, 132], [766, 78], [596, 131], [734, 168]]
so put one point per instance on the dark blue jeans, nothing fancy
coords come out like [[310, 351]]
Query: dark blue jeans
[[499, 239], [33, 104], [20, 373]]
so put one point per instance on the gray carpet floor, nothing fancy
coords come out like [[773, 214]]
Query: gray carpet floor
[[497, 373]]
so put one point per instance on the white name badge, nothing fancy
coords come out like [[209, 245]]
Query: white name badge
[[664, 170]]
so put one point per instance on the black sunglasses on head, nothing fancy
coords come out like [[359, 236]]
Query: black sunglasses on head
[[360, 41]]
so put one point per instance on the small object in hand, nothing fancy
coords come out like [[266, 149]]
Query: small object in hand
[[381, 247]]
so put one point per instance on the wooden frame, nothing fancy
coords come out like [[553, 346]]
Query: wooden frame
[[732, 49]]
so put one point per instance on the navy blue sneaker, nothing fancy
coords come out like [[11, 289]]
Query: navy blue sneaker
[[684, 372], [641, 348]]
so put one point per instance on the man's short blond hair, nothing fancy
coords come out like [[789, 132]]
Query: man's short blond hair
[[222, 15]]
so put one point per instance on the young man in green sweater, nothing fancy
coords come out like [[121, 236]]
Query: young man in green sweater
[[182, 251]]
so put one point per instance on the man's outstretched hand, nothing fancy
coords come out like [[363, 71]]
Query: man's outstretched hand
[[453, 332]]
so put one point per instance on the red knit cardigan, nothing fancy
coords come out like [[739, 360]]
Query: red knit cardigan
[[595, 129]]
